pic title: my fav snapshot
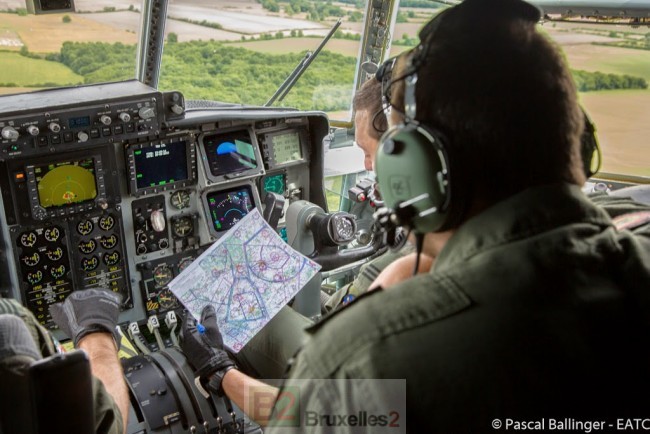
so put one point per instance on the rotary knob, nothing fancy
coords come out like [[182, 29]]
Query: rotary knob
[[158, 221], [33, 130], [9, 133], [124, 117], [82, 136], [146, 112], [54, 127], [105, 119]]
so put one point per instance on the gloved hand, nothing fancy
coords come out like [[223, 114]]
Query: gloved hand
[[88, 311], [203, 346]]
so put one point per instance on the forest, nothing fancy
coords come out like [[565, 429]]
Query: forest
[[218, 71]]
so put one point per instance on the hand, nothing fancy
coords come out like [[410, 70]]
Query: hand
[[88, 311], [203, 347]]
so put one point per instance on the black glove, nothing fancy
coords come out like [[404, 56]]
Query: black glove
[[203, 347], [88, 311]]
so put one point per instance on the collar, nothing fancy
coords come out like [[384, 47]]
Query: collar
[[526, 214]]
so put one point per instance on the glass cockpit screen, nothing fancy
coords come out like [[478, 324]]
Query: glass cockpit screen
[[160, 164], [66, 182], [227, 207], [286, 147], [229, 153]]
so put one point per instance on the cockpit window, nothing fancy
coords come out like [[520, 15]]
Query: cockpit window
[[94, 43], [242, 51]]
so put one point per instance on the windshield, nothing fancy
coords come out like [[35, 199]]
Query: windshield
[[96, 43], [241, 51]]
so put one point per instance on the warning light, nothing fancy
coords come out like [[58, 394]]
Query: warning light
[[19, 176]]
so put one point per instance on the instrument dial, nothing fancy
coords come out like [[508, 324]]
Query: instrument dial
[[28, 239], [183, 227], [111, 258], [180, 199], [87, 247], [31, 260], [184, 264], [55, 255], [167, 299], [108, 242], [107, 222], [58, 271], [85, 227], [52, 234], [162, 275], [89, 264]]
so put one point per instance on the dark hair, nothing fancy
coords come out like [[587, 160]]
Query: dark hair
[[368, 98], [501, 93]]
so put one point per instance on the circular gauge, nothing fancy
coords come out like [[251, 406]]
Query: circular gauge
[[89, 264], [107, 222], [343, 228], [183, 227], [87, 247], [34, 278], [31, 260], [58, 271], [231, 209], [167, 300], [162, 275], [108, 242], [85, 227], [184, 264], [55, 255], [52, 234], [180, 199], [111, 258], [28, 239]]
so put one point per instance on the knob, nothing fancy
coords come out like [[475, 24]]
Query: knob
[[177, 109], [54, 127], [105, 119], [124, 117], [9, 133], [158, 220], [146, 112], [33, 130], [82, 136]]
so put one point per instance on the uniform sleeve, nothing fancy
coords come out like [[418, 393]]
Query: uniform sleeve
[[108, 419]]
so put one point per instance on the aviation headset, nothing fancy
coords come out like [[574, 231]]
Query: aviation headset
[[412, 164]]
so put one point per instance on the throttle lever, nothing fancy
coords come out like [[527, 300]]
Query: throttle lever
[[273, 206]]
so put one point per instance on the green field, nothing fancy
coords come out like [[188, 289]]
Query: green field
[[26, 72], [297, 45], [607, 59]]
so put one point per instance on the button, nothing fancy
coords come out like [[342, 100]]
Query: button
[[130, 128], [42, 141], [106, 131], [19, 177], [68, 137], [119, 129], [94, 133], [56, 139]]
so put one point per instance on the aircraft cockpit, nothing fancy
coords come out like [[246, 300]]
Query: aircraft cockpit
[[134, 135]]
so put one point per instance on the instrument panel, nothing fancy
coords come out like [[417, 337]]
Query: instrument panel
[[105, 186]]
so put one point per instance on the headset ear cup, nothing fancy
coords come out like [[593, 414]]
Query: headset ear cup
[[412, 167]]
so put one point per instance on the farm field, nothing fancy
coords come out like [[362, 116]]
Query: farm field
[[24, 71], [296, 45]]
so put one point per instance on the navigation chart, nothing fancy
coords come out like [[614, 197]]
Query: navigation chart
[[247, 275]]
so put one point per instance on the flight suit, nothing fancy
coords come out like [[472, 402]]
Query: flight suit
[[536, 309], [108, 419]]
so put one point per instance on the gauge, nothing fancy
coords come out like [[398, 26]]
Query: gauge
[[167, 300], [55, 254], [108, 242], [107, 222], [85, 227], [52, 234], [180, 199], [343, 228], [31, 260], [58, 271], [89, 264], [111, 258], [34, 278], [162, 275], [28, 239], [227, 211], [275, 183], [183, 226], [184, 264], [87, 247]]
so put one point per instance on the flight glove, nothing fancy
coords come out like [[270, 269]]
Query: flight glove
[[88, 311], [202, 344]]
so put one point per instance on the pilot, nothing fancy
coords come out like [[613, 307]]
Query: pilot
[[534, 315], [88, 317]]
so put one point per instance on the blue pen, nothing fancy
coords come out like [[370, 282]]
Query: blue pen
[[200, 328]]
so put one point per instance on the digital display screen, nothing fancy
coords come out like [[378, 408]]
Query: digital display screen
[[286, 147], [65, 182], [227, 207], [160, 164], [275, 183], [80, 122], [229, 153]]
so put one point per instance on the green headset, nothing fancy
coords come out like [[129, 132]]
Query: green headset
[[413, 168]]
